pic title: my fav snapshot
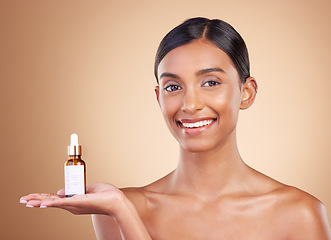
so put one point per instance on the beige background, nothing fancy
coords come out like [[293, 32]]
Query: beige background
[[87, 67]]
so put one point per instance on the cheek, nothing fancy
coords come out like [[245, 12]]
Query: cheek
[[169, 107], [227, 104]]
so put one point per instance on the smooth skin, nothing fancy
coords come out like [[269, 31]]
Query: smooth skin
[[212, 194]]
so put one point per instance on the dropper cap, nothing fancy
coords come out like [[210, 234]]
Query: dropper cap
[[74, 149]]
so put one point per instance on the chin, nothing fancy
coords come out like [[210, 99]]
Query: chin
[[196, 147]]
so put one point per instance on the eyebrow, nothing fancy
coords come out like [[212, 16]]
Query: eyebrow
[[166, 74], [208, 70], [198, 73]]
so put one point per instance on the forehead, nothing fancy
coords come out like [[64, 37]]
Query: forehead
[[195, 56]]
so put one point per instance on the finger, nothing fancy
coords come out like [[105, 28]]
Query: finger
[[75, 206], [93, 187], [61, 192], [76, 200], [33, 203], [37, 196], [38, 204], [73, 209], [68, 204]]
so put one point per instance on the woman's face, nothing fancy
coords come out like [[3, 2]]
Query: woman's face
[[200, 94]]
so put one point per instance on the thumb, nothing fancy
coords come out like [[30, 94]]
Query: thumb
[[61, 192]]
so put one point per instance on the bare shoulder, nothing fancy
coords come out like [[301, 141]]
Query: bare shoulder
[[296, 213], [302, 215]]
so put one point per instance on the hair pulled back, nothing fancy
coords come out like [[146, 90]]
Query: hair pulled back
[[220, 33]]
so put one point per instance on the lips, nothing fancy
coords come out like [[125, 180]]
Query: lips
[[195, 125]]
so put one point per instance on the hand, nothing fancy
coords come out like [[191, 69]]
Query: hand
[[100, 198]]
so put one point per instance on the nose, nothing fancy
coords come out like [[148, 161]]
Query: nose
[[192, 101]]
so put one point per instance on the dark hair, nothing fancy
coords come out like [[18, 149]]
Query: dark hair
[[220, 33]]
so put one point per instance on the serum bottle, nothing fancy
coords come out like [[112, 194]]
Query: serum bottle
[[74, 169]]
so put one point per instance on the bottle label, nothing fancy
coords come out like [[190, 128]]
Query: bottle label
[[74, 180]]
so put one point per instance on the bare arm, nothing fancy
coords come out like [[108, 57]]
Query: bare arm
[[103, 199], [106, 227]]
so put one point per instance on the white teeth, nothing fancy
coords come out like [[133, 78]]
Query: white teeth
[[197, 124]]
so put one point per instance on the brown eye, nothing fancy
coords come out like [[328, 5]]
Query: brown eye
[[210, 83], [172, 88]]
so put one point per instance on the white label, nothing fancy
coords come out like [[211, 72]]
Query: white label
[[74, 179]]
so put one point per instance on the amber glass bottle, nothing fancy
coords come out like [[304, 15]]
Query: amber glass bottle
[[74, 169]]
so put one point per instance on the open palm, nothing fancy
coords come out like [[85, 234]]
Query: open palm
[[100, 198]]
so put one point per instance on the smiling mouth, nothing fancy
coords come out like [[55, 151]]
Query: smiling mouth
[[196, 124]]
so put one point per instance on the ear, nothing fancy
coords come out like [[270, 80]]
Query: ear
[[157, 93], [249, 93]]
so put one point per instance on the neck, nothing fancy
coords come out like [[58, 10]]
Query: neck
[[209, 172]]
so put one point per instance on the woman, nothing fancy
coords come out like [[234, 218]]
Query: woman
[[203, 76]]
